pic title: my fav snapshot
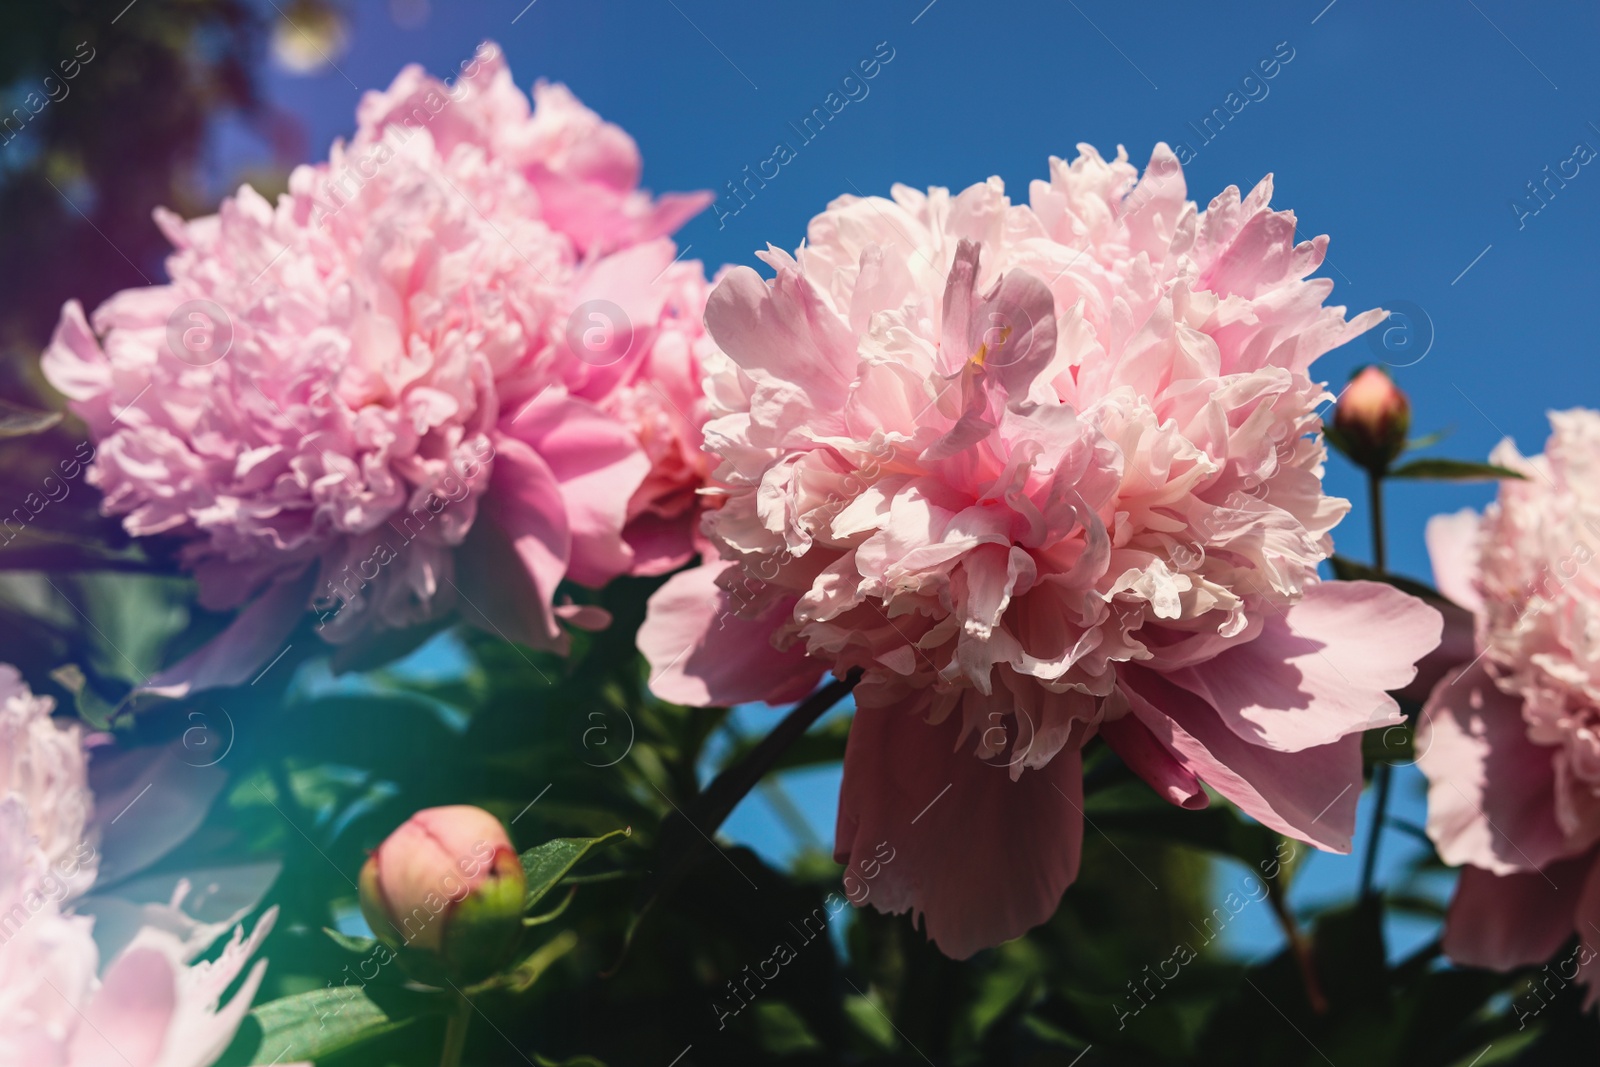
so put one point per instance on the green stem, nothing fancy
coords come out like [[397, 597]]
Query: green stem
[[1375, 498], [455, 1034], [1380, 777], [685, 833], [1382, 773], [1300, 948]]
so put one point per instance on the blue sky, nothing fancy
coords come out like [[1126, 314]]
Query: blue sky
[[1413, 134]]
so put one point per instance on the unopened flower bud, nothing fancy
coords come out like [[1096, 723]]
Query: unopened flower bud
[[1372, 418], [445, 891]]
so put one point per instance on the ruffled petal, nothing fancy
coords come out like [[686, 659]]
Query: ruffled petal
[[981, 857]]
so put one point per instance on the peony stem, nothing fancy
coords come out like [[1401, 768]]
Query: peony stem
[[1381, 774], [730, 787], [455, 1034], [686, 832], [1300, 948], [1375, 498], [1369, 866]]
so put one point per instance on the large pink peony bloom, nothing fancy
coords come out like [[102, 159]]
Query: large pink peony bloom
[[1039, 472], [150, 1007], [1510, 742], [466, 323]]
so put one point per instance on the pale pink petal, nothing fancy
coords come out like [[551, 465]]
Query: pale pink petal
[[1453, 548], [515, 557], [1322, 669], [1310, 794], [703, 653], [979, 856], [1491, 791], [127, 1022], [798, 352], [597, 464]]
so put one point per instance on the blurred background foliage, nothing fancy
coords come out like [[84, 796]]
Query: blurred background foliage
[[322, 765]]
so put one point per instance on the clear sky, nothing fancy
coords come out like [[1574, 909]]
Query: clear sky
[[1414, 134]]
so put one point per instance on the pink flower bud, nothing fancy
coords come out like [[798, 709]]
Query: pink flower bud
[[1372, 418], [445, 890]]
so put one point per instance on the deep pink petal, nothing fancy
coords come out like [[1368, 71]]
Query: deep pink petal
[[981, 857], [1151, 760], [1503, 921]]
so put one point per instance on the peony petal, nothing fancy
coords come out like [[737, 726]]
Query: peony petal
[[981, 857], [1320, 670], [1453, 549], [1491, 798], [1503, 921], [597, 464], [1150, 760], [127, 1022], [703, 654], [1310, 795], [147, 801], [799, 353], [238, 653], [517, 552]]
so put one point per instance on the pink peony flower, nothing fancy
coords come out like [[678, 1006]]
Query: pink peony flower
[[467, 323], [1510, 742], [1040, 473], [149, 1008]]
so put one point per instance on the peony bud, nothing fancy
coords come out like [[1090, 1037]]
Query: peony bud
[[445, 891], [1372, 418]]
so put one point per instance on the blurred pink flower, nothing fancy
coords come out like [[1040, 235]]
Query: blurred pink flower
[[149, 1008], [1039, 472], [466, 323], [1510, 742]]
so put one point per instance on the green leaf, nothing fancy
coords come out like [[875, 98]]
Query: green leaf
[[20, 422], [1349, 570], [547, 864], [1131, 808], [524, 974], [313, 1025], [1451, 470], [1428, 440], [91, 708], [576, 1061], [359, 945], [553, 913]]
